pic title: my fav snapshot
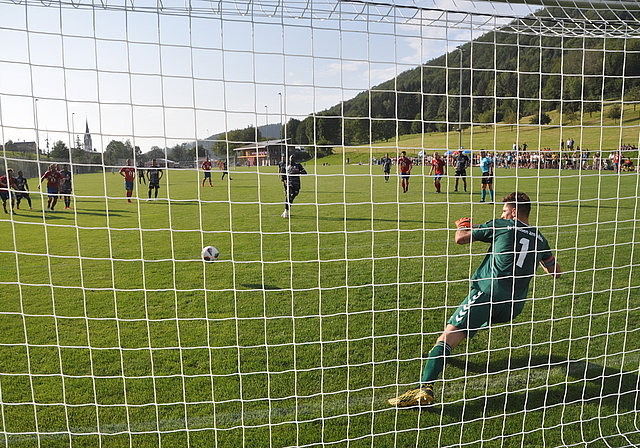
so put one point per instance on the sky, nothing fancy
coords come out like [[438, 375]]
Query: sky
[[161, 77]]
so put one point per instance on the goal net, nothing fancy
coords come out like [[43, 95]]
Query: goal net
[[168, 120]]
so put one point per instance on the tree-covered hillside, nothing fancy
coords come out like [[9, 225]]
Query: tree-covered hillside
[[500, 77]]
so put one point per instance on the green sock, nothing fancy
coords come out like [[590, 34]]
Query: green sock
[[491, 193], [435, 362], [483, 195]]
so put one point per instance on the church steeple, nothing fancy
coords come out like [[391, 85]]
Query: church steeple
[[88, 145]]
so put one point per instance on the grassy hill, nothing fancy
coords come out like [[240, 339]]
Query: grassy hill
[[596, 132]]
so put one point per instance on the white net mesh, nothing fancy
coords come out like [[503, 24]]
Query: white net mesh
[[115, 333]]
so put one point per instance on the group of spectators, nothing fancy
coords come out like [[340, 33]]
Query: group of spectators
[[577, 160]]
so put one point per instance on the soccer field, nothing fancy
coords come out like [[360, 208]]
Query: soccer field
[[116, 334]]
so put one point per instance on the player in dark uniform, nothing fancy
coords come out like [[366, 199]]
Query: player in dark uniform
[[386, 166], [499, 286], [154, 174], [65, 186], [7, 182], [141, 176], [225, 169], [22, 190], [292, 183], [462, 162], [282, 169]]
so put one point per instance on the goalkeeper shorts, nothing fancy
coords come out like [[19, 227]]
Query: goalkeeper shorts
[[478, 310]]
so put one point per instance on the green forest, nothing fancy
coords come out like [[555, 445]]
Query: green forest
[[501, 77]]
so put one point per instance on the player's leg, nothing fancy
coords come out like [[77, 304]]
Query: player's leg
[[28, 197], [290, 194], [464, 182], [156, 193], [483, 191], [472, 314], [455, 188], [150, 188]]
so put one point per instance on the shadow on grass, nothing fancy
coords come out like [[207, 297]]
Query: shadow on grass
[[367, 219], [585, 382], [260, 286]]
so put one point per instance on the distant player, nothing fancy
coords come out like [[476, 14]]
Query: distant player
[[65, 186], [225, 169], [282, 169], [53, 177], [404, 166], [22, 190], [141, 176], [154, 174], [438, 169], [7, 182], [206, 167], [292, 183], [486, 166], [129, 174], [386, 166], [461, 162], [499, 286]]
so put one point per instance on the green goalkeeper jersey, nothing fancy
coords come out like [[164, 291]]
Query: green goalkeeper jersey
[[516, 249]]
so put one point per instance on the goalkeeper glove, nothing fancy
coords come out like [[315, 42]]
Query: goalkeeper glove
[[463, 223]]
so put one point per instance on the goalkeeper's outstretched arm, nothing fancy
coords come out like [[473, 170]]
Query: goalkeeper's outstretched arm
[[554, 269]]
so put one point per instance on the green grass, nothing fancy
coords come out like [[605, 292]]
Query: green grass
[[115, 334]]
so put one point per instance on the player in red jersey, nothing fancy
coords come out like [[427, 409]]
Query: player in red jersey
[[6, 183], [404, 165], [53, 177], [439, 168], [206, 166], [129, 174]]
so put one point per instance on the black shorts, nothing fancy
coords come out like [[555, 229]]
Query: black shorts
[[292, 189], [153, 184], [487, 179], [461, 173]]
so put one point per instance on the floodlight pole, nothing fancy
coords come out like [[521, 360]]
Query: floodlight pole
[[73, 131], [460, 103], [35, 107]]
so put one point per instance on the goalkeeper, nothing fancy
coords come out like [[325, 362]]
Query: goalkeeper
[[499, 286]]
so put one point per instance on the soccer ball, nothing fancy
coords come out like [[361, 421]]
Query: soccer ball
[[210, 253]]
